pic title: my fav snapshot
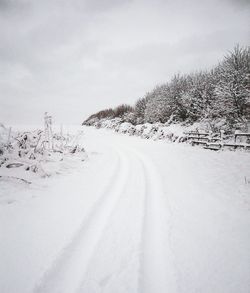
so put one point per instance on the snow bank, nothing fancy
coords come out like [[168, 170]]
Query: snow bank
[[173, 132]]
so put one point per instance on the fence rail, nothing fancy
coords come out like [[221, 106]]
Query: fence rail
[[218, 140]]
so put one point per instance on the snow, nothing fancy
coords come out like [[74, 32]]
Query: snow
[[25, 154], [137, 216]]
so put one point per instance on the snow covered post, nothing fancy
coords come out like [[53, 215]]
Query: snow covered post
[[8, 141], [237, 131], [222, 135], [210, 135], [48, 130]]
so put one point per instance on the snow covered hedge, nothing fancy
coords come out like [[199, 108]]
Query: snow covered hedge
[[156, 131], [173, 132]]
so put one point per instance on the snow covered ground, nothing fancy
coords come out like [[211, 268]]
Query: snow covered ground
[[137, 216]]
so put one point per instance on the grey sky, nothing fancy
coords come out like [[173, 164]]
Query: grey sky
[[72, 58]]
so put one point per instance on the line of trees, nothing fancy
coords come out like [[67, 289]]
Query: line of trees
[[222, 93]]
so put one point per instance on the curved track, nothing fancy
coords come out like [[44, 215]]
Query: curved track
[[124, 243], [138, 217]]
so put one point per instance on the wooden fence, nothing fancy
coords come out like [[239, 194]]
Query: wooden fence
[[216, 141]]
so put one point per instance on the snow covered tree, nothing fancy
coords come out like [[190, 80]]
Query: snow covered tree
[[129, 117], [159, 107], [107, 113], [233, 88], [140, 107], [120, 110], [198, 98], [219, 94], [178, 89]]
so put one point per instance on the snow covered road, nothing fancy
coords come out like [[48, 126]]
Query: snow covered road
[[139, 216]]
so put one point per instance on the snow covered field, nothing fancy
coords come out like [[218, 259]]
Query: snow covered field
[[137, 216]]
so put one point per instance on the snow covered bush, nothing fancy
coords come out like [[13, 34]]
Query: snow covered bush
[[29, 151], [147, 130], [125, 127], [112, 123], [139, 129]]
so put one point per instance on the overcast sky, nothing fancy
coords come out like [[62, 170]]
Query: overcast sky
[[74, 57]]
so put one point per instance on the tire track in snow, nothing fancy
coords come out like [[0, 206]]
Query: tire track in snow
[[158, 272], [67, 271], [115, 264]]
